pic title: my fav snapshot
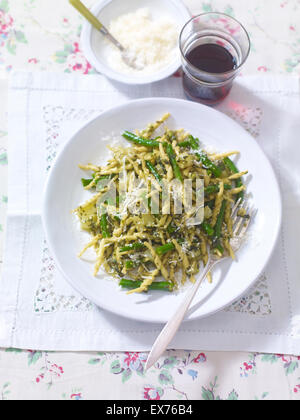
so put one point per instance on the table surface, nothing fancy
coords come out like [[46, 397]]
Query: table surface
[[38, 38]]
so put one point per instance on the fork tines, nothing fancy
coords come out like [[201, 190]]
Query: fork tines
[[241, 223]]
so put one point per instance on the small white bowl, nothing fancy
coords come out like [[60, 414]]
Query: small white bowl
[[96, 48]]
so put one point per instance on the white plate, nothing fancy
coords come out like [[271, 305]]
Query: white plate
[[96, 49], [64, 193]]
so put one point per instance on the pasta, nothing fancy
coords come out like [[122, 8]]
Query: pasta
[[157, 246]]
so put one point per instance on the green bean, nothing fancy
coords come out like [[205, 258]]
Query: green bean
[[129, 264], [192, 143], [211, 204], [161, 250], [153, 171], [86, 182], [218, 229], [230, 165], [208, 229], [171, 229], [104, 226], [211, 189], [208, 164], [184, 144], [220, 220], [161, 285], [140, 140], [172, 156], [234, 170], [132, 247], [218, 247]]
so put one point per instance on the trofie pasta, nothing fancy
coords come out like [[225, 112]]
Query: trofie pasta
[[159, 207]]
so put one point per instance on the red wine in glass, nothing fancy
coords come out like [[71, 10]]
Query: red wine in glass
[[214, 60]]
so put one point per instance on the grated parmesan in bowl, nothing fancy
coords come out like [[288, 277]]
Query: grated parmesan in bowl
[[148, 30], [152, 41]]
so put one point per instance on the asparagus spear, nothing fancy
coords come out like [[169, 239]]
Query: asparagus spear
[[161, 285]]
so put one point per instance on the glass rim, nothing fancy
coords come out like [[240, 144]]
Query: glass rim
[[220, 14]]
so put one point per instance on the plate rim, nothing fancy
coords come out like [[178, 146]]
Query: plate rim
[[117, 108]]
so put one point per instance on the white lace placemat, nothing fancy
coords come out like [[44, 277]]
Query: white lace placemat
[[38, 309]]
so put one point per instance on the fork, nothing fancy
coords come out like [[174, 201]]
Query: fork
[[240, 227], [127, 56]]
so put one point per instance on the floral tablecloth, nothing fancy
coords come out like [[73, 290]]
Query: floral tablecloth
[[37, 35]]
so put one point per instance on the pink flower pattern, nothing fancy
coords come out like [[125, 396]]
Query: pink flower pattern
[[77, 62], [6, 23], [152, 394]]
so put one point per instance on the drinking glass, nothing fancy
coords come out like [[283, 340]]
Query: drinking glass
[[215, 31]]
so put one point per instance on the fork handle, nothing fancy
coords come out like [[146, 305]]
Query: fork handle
[[170, 329], [94, 21], [84, 11]]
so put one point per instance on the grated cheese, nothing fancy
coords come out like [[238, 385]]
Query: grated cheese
[[152, 42]]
